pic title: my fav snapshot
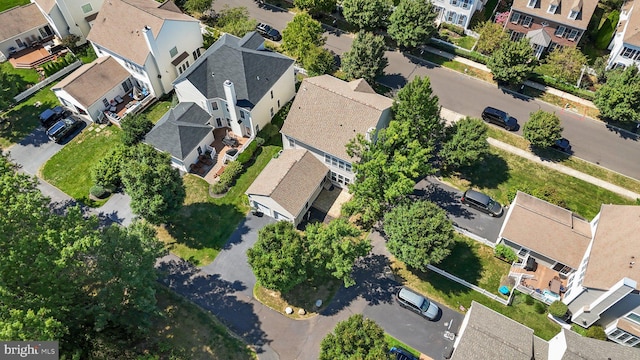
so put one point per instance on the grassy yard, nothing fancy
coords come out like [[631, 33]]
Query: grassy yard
[[8, 4], [569, 161], [393, 342], [457, 66], [24, 116], [86, 54], [501, 173], [204, 223], [466, 42], [155, 111], [17, 81], [303, 296], [71, 172], [185, 331]]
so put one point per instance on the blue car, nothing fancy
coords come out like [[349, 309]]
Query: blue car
[[402, 354]]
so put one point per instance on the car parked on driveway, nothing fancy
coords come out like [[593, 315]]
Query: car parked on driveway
[[268, 32], [481, 202], [51, 116], [402, 354], [562, 145], [500, 118], [63, 128], [417, 303]]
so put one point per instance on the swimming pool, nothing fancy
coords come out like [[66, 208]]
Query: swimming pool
[[551, 296]]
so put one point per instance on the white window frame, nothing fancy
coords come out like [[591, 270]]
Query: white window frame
[[627, 52], [573, 35], [466, 4], [173, 52], [559, 33], [552, 9], [637, 321], [515, 18], [573, 14], [87, 8], [451, 16], [532, 3], [462, 20], [527, 21]]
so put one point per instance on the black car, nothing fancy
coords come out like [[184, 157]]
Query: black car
[[481, 202], [562, 145], [50, 116], [402, 354], [268, 32], [500, 118], [63, 128]]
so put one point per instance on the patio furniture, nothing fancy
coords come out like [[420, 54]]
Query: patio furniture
[[205, 160], [112, 109], [554, 286], [229, 141], [118, 99]]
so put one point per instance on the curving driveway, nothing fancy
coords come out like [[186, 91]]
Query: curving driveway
[[225, 286]]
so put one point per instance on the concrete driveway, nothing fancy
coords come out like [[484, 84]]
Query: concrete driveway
[[464, 217], [33, 151]]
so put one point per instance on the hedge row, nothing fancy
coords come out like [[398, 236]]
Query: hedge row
[[471, 55], [53, 67], [454, 28], [568, 88], [227, 177]]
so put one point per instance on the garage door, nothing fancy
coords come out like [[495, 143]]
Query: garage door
[[278, 216], [263, 209]]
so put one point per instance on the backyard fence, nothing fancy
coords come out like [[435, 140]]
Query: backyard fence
[[474, 237], [470, 285], [30, 91]]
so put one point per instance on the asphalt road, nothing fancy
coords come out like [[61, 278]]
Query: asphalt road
[[590, 139]]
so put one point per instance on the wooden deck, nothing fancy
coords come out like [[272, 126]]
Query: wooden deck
[[33, 57], [540, 279], [221, 149]]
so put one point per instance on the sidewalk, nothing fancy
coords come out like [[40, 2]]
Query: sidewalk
[[451, 116]]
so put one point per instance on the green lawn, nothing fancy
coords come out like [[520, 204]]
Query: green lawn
[[569, 161], [18, 80], [466, 42], [393, 342], [155, 111], [24, 116], [8, 4], [501, 173], [70, 169], [204, 224], [86, 54]]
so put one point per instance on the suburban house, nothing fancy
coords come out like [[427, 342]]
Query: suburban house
[[486, 334], [22, 27], [154, 42], [239, 86], [457, 12], [288, 185], [328, 112], [94, 87], [625, 46], [549, 23], [590, 266], [70, 16]]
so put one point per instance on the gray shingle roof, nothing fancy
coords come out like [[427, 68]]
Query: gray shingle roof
[[583, 348], [180, 130], [253, 72]]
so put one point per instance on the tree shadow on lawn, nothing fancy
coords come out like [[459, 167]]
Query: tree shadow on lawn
[[463, 262], [215, 295], [23, 123], [488, 173], [371, 284]]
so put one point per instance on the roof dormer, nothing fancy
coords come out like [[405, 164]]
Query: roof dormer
[[553, 6], [532, 3], [575, 9]]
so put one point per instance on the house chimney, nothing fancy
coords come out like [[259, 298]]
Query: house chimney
[[151, 42], [230, 96]]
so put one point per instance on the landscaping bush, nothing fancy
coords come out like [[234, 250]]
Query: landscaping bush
[[506, 253], [99, 192], [259, 141], [106, 172], [227, 177], [529, 300], [471, 55], [52, 67], [539, 307], [454, 28], [596, 332], [248, 152], [558, 309], [551, 82]]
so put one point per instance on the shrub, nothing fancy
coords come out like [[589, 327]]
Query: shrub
[[539, 307], [596, 332], [259, 141], [99, 191], [227, 177], [558, 309], [218, 188], [106, 172], [529, 300], [248, 152], [505, 252], [453, 28]]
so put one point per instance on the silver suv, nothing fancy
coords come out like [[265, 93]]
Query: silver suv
[[417, 303]]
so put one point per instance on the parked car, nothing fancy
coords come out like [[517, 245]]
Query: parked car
[[50, 116], [481, 202], [417, 303], [268, 32], [562, 145], [63, 128], [500, 118], [402, 354]]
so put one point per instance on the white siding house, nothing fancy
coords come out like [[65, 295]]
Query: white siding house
[[457, 12], [70, 16], [20, 27], [625, 46]]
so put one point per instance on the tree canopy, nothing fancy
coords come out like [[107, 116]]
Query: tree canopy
[[543, 129], [416, 104], [419, 233], [412, 23], [356, 338], [466, 143], [319, 61], [235, 21], [134, 128], [315, 6], [619, 97], [198, 6], [512, 62], [366, 58], [367, 14], [491, 36], [155, 187], [301, 35], [565, 63]]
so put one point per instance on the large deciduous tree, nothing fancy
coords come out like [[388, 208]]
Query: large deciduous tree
[[619, 97], [412, 23], [566, 63], [301, 35], [334, 248], [419, 233], [134, 128], [366, 58], [466, 143], [356, 338], [491, 36], [367, 14], [542, 129], [279, 257], [315, 6], [416, 104], [512, 62], [235, 21], [319, 61], [198, 6], [155, 187]]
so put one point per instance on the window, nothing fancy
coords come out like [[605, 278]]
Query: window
[[219, 122], [347, 167], [126, 85], [532, 3], [196, 53], [451, 16], [334, 176], [552, 9], [627, 52], [516, 36], [278, 103], [560, 31], [271, 94], [19, 43], [466, 4], [634, 317], [271, 112], [453, 2], [341, 164], [105, 102], [573, 35], [292, 143], [462, 20], [327, 159], [242, 114], [527, 21], [173, 52], [552, 46], [86, 8], [573, 14], [515, 18], [334, 162]]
